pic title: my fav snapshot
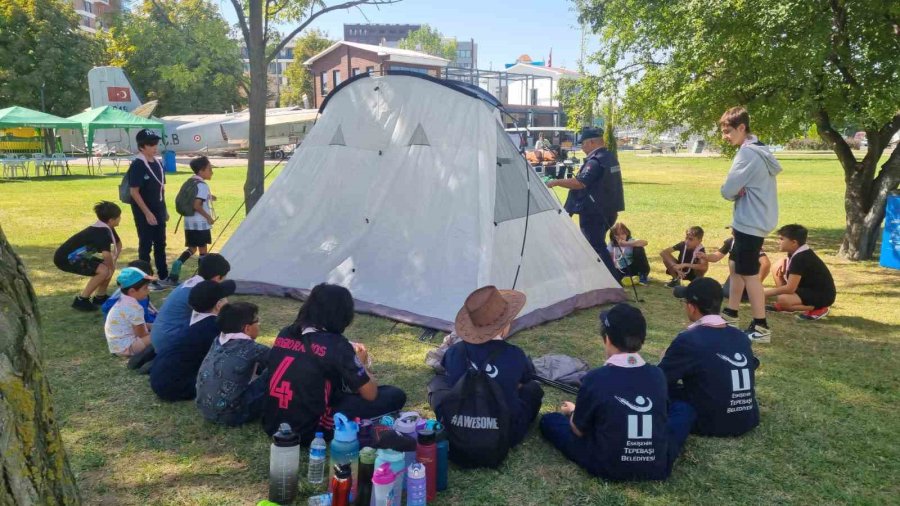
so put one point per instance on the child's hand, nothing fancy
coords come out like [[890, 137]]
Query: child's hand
[[567, 408], [210, 220], [213, 198]]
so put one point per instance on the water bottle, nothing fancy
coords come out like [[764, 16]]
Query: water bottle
[[366, 470], [316, 473], [406, 425], [395, 460], [284, 463], [426, 454], [383, 490], [366, 435], [345, 449], [443, 456], [341, 484], [320, 500], [416, 488]]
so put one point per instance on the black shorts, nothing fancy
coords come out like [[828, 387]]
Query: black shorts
[[197, 237], [82, 266], [745, 253], [815, 298]]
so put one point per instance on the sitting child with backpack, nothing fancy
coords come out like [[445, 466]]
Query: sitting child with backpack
[[93, 253], [628, 254], [193, 202], [482, 427], [620, 427], [317, 372]]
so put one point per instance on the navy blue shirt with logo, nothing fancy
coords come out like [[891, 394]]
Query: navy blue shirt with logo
[[623, 412], [149, 184], [174, 373], [510, 368], [603, 194], [716, 369]]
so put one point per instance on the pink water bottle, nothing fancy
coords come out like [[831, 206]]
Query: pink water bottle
[[383, 486]]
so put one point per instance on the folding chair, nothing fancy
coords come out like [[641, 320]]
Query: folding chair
[[39, 162]]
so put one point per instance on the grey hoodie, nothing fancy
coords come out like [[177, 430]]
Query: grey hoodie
[[753, 170]]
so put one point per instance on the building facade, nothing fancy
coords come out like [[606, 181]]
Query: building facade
[[276, 71], [93, 14], [466, 54], [378, 34], [347, 59]]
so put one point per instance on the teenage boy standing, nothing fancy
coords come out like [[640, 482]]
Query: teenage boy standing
[[752, 187], [147, 183]]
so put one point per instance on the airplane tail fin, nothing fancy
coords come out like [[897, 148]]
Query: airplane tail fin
[[110, 86]]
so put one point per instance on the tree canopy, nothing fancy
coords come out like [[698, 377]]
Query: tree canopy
[[792, 63], [41, 44], [180, 53], [300, 81], [428, 40]]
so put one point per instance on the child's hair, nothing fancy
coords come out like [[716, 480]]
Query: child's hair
[[696, 232], [212, 265], [734, 117], [137, 286], [143, 265], [617, 229], [106, 210], [199, 163], [794, 232], [234, 316], [143, 144], [328, 308]]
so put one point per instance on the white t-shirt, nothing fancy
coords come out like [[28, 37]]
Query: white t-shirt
[[197, 221], [119, 326]]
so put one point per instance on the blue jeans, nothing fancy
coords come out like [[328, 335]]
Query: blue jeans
[[556, 429]]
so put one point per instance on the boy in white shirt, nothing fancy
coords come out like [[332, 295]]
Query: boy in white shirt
[[127, 332], [198, 226]]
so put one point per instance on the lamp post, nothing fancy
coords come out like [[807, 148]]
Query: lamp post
[[43, 108]]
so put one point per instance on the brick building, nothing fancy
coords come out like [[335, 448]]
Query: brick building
[[93, 14], [346, 59]]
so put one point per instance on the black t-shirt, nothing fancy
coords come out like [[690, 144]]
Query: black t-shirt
[[814, 274], [303, 380], [623, 412], [94, 240], [603, 194], [150, 183], [726, 247], [510, 368], [687, 256]]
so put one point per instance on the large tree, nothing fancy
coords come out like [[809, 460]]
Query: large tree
[[300, 80], [180, 53], [792, 63], [428, 40], [42, 48], [257, 20], [33, 463]]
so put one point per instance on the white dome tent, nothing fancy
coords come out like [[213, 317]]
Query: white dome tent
[[408, 192]]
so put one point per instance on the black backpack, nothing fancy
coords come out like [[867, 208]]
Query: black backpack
[[184, 201], [476, 418]]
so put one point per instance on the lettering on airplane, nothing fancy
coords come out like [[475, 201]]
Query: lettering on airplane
[[118, 94], [175, 139]]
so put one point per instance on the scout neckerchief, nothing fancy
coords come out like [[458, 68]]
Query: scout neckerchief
[[114, 249], [684, 254], [710, 320], [162, 182], [787, 268], [224, 338]]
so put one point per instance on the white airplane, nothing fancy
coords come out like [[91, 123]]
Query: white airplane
[[194, 133]]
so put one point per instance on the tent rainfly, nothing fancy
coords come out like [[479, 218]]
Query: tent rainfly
[[22, 117], [408, 192], [100, 118]]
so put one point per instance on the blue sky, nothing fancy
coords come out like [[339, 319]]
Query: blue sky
[[503, 29]]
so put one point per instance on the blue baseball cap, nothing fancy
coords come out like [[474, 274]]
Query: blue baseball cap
[[591, 133], [131, 276]]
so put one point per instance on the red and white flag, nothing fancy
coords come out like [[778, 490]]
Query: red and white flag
[[118, 94]]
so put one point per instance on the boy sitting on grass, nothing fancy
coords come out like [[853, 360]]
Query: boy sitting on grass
[[93, 253], [620, 428], [714, 364], [628, 254], [690, 263], [198, 227], [174, 373], [802, 280], [232, 383], [150, 310], [127, 332]]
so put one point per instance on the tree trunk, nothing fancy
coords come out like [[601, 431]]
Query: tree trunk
[[32, 459], [256, 46], [865, 195]]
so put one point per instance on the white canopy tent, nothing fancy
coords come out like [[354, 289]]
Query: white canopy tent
[[409, 192]]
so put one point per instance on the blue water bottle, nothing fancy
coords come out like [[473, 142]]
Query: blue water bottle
[[443, 456], [345, 449], [416, 486]]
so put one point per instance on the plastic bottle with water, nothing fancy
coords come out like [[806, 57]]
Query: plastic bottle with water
[[416, 487], [284, 459], [320, 500], [316, 473]]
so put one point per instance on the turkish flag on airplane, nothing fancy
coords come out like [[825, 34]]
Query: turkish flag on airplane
[[118, 94]]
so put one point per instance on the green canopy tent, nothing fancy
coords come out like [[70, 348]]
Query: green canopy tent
[[100, 118], [20, 117]]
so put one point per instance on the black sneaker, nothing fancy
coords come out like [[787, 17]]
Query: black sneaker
[[83, 304], [99, 300], [672, 284]]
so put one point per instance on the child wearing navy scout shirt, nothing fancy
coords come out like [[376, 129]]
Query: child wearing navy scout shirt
[[714, 364], [147, 183], [620, 428], [482, 323]]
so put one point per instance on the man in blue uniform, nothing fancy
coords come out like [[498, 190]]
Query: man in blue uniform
[[596, 194]]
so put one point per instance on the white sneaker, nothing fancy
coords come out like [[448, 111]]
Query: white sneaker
[[730, 320], [759, 334]]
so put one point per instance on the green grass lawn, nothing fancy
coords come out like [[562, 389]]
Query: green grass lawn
[[827, 390]]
